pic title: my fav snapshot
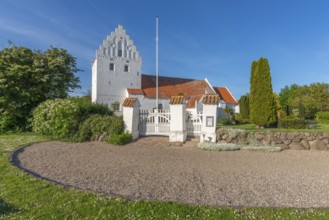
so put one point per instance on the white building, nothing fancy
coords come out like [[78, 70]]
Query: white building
[[116, 75]]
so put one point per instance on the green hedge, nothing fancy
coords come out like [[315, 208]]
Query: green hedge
[[322, 117], [120, 139], [99, 126]]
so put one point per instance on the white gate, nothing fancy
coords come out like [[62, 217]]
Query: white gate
[[153, 122], [193, 124]]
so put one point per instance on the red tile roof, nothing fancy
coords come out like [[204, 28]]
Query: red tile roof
[[129, 102], [226, 95], [171, 86], [176, 100], [135, 91], [210, 99]]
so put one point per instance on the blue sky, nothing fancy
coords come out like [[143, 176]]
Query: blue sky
[[197, 39]]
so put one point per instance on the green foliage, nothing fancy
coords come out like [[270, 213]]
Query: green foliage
[[313, 98], [228, 112], [96, 126], [120, 139], [240, 120], [29, 77], [263, 111], [322, 117], [244, 106], [292, 122], [57, 117], [88, 108], [225, 121]]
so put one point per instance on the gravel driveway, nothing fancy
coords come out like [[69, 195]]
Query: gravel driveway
[[150, 169]]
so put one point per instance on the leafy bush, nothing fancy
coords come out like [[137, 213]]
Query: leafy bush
[[88, 108], [99, 127], [292, 122], [57, 117], [322, 117], [120, 139]]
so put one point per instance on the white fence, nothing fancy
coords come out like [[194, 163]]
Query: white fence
[[153, 122]]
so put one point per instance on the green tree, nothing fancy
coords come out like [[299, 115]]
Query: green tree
[[29, 77], [244, 106], [262, 104]]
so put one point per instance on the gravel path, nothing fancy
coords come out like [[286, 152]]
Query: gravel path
[[150, 169]]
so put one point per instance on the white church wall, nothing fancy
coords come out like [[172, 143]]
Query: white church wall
[[94, 81]]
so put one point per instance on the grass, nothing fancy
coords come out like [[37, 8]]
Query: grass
[[25, 197], [252, 127]]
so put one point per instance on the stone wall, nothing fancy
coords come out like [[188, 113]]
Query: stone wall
[[285, 140]]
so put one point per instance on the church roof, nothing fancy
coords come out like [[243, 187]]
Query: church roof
[[226, 95], [172, 86]]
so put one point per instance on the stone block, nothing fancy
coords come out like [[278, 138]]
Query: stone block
[[296, 146], [305, 144], [318, 145], [259, 136], [325, 140], [291, 136], [310, 138], [325, 135]]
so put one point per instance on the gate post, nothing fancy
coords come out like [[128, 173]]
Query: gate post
[[131, 116], [177, 119], [208, 128]]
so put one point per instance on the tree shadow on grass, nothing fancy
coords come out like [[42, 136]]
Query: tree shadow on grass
[[6, 208]]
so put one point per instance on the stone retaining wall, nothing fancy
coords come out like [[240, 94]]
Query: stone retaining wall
[[285, 140]]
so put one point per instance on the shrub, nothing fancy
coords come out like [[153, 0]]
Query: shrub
[[322, 117], [120, 139], [96, 126], [292, 122], [57, 117], [88, 108]]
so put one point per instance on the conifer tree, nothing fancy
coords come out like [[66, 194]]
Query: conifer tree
[[244, 106], [262, 104]]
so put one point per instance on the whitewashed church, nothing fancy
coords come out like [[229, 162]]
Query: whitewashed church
[[117, 75]]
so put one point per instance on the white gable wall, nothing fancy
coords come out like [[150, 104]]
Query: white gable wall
[[110, 85]]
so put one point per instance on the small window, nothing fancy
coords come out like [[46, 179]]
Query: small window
[[126, 69], [137, 73], [112, 66], [119, 53], [160, 106]]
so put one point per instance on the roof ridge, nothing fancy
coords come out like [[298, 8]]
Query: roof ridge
[[171, 77]]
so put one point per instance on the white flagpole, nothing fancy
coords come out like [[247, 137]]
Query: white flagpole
[[156, 65]]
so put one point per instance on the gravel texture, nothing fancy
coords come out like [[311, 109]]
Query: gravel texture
[[151, 169]]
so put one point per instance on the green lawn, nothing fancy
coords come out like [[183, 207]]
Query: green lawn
[[252, 127], [25, 197]]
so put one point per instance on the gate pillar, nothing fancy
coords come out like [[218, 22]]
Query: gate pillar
[[208, 128], [178, 119], [131, 116]]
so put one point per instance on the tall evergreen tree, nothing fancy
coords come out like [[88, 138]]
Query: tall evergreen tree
[[262, 104], [244, 106]]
